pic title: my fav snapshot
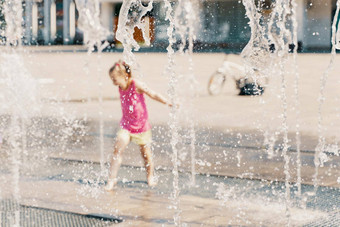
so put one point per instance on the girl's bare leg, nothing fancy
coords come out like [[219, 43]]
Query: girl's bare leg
[[121, 142], [147, 156]]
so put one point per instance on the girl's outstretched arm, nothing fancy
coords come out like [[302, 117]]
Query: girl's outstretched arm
[[143, 88]]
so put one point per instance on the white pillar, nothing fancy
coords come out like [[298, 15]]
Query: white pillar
[[72, 21], [53, 12], [34, 21]]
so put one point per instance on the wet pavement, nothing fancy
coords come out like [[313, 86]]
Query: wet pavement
[[215, 153], [239, 167], [77, 187]]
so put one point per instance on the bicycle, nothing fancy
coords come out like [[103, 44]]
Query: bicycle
[[238, 74]]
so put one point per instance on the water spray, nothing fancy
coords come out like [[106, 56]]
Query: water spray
[[184, 26], [321, 146], [297, 100], [130, 17], [94, 34], [173, 121]]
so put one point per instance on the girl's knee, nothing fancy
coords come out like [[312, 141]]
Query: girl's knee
[[123, 136], [121, 143]]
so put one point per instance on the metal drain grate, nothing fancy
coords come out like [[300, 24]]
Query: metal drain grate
[[40, 217]]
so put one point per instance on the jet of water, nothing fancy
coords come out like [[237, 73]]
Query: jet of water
[[89, 23], [130, 17], [321, 146], [13, 18], [296, 92], [256, 52], [94, 34], [173, 122], [185, 27]]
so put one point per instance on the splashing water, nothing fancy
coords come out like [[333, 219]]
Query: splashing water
[[278, 34], [181, 22], [20, 102], [21, 112], [297, 100], [252, 55], [89, 23], [94, 34], [173, 121], [280, 12], [255, 57], [256, 52], [130, 17], [184, 26], [13, 17], [321, 146]]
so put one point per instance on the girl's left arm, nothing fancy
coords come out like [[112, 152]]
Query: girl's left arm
[[143, 88]]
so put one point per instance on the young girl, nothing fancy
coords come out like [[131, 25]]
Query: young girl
[[134, 125]]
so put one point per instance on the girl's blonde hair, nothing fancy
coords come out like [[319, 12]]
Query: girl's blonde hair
[[118, 65]]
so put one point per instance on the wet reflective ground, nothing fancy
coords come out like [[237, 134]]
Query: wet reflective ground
[[79, 186], [238, 181]]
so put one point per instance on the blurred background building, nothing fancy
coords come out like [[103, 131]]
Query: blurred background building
[[221, 25]]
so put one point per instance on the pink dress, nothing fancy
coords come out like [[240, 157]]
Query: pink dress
[[135, 115]]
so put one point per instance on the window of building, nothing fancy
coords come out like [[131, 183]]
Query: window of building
[[224, 24]]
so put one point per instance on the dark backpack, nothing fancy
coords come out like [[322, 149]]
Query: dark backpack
[[249, 88]]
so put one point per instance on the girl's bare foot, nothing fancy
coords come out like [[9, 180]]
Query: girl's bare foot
[[111, 184], [152, 181]]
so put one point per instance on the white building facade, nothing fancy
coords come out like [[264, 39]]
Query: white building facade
[[220, 24]]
